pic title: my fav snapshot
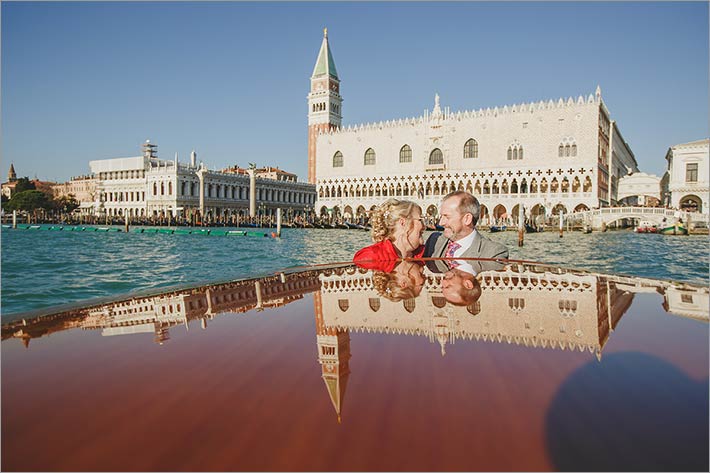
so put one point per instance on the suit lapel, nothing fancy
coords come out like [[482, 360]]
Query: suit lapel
[[442, 242], [475, 249]]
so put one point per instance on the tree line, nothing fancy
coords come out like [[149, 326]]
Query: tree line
[[28, 198]]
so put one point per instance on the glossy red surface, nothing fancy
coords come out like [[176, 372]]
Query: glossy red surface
[[247, 393]]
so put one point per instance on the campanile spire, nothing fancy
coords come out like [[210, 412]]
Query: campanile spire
[[324, 102]]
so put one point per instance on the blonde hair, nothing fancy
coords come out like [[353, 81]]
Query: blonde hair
[[384, 218], [387, 286]]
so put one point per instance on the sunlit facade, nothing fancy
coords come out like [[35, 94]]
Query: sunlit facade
[[559, 155], [146, 186]]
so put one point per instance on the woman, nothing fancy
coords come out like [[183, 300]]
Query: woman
[[397, 229]]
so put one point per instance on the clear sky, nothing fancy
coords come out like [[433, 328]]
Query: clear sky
[[85, 80]]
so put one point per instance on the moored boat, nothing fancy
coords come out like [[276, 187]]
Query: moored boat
[[646, 227], [497, 228], [676, 229], [530, 229]]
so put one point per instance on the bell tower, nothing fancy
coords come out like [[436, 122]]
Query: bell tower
[[324, 102]]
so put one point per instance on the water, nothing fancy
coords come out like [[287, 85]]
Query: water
[[42, 269]]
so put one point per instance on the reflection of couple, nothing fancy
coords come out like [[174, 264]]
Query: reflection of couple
[[406, 280], [397, 230]]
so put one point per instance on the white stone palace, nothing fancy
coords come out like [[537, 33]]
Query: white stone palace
[[549, 155], [146, 186]]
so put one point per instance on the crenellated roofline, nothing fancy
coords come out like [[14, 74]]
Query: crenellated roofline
[[530, 107]]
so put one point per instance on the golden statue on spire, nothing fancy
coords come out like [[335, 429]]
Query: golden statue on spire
[[325, 32]]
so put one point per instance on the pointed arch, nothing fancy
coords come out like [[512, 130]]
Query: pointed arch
[[470, 149], [405, 154], [338, 159], [436, 157]]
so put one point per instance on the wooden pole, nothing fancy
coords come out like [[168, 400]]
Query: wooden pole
[[14, 219], [562, 217], [521, 225], [278, 222], [126, 220]]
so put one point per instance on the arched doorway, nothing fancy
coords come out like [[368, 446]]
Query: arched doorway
[[515, 214], [581, 208], [691, 203], [484, 217], [500, 213], [348, 213], [559, 208]]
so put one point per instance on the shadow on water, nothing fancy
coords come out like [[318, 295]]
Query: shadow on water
[[590, 426]]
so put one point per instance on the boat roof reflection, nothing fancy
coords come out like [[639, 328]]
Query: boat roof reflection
[[514, 302]]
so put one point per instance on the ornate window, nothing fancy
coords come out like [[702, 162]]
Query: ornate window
[[405, 154], [438, 301], [691, 172], [436, 157], [374, 303], [470, 149], [567, 148], [338, 159], [515, 152], [369, 157], [409, 305], [475, 308]]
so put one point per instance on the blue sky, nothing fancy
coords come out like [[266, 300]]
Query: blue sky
[[84, 80]]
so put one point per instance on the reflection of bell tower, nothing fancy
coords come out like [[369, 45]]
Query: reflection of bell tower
[[333, 356]]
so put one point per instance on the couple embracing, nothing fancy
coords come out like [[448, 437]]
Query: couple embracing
[[398, 226]]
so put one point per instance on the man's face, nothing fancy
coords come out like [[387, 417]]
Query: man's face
[[456, 225]]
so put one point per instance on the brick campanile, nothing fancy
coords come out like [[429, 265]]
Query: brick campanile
[[324, 102]]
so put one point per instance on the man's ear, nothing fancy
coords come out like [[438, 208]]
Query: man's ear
[[468, 284], [468, 219]]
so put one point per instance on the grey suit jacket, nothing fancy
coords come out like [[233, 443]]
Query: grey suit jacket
[[481, 247]]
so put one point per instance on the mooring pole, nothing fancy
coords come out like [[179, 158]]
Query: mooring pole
[[14, 219], [521, 225], [278, 222], [126, 215], [562, 217]]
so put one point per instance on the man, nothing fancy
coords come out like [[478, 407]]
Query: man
[[459, 215]]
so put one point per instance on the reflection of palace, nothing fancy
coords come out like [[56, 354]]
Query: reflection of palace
[[534, 306], [156, 314], [529, 305]]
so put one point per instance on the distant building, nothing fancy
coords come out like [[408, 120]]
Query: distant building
[[83, 188], [8, 188], [550, 156], [687, 172], [641, 189], [146, 186], [266, 173]]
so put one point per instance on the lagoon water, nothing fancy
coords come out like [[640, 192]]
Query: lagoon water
[[42, 269]]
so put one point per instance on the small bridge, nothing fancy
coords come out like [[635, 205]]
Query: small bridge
[[600, 218]]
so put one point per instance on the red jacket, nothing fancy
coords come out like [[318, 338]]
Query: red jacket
[[381, 256]]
